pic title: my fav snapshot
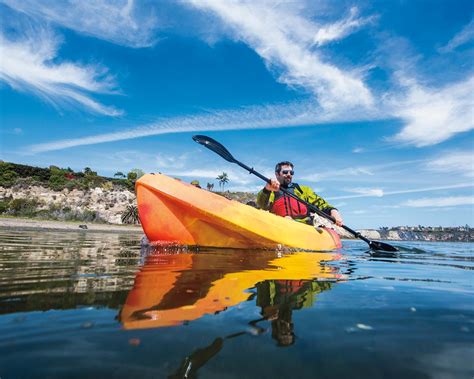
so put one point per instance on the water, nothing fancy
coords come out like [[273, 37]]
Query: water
[[97, 305]]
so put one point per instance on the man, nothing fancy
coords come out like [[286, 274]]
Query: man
[[272, 199]]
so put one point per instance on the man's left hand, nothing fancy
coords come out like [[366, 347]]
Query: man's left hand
[[337, 217]]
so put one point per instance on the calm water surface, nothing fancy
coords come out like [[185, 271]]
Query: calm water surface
[[100, 305]]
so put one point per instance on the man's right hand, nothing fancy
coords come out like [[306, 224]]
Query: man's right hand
[[274, 186]]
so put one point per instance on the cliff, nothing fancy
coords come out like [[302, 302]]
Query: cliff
[[439, 234], [92, 204]]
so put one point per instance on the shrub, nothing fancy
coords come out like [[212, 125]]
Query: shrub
[[132, 175], [8, 177], [130, 215], [57, 181], [107, 186], [23, 207], [4, 205]]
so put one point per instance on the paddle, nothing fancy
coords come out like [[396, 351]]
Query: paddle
[[217, 148]]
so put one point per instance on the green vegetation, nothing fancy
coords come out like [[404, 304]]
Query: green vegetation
[[130, 215], [223, 180], [57, 179], [32, 208]]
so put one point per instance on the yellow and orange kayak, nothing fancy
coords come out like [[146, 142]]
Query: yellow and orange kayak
[[172, 211]]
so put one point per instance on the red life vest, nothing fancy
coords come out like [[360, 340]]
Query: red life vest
[[288, 206]]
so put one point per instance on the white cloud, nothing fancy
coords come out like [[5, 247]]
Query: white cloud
[[340, 29], [28, 64], [440, 201], [169, 161], [281, 36], [433, 115], [258, 117], [380, 193], [358, 150], [461, 162], [118, 21], [236, 177], [372, 192], [464, 36], [343, 173]]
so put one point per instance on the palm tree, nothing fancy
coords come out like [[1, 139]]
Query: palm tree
[[130, 215], [210, 186], [223, 180]]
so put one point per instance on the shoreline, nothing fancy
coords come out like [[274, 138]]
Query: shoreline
[[69, 226]]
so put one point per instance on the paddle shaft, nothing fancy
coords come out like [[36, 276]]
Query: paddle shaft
[[309, 205]]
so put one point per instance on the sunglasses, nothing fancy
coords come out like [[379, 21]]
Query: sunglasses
[[284, 172]]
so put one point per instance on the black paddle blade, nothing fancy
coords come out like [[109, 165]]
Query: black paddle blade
[[215, 146], [381, 246]]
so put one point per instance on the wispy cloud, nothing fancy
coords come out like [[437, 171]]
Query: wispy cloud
[[464, 36], [237, 178], [449, 201], [282, 38], [258, 117], [459, 162], [371, 192], [345, 172], [341, 29], [29, 63], [380, 192], [334, 174], [434, 115], [119, 21]]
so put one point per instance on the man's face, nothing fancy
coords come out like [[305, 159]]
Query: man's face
[[285, 175]]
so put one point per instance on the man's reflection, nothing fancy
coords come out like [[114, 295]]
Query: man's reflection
[[278, 299]]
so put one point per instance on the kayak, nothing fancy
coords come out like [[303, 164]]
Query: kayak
[[175, 212]]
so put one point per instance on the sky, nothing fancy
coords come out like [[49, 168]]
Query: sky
[[373, 101]]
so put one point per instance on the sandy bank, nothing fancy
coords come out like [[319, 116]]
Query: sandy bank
[[29, 224]]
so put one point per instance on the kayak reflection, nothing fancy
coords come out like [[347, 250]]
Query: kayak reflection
[[173, 288]]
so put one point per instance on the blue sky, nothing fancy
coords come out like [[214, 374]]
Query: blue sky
[[372, 101]]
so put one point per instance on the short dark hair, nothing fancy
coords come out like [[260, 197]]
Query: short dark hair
[[284, 163]]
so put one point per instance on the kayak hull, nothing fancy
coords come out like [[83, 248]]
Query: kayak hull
[[172, 211]]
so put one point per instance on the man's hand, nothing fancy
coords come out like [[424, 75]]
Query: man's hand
[[274, 186], [337, 217]]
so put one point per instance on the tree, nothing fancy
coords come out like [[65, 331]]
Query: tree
[[135, 173], [87, 171], [223, 180], [130, 215], [119, 174], [210, 186]]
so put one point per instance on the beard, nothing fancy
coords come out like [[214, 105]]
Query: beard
[[285, 182]]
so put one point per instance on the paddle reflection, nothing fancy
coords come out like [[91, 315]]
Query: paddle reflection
[[174, 287]]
